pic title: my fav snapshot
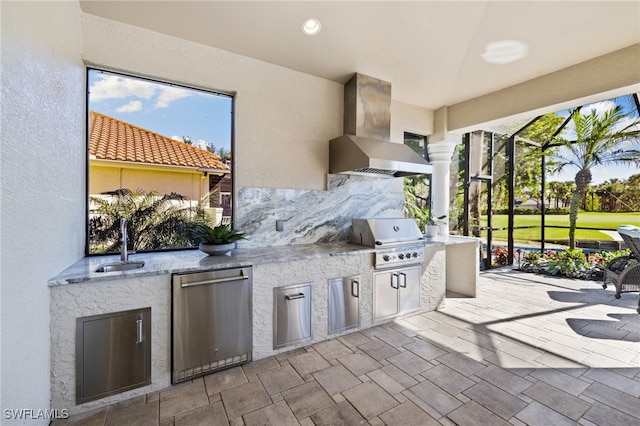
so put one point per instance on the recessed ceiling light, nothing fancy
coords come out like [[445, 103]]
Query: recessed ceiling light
[[311, 26], [504, 51]]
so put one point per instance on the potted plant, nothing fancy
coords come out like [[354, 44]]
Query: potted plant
[[217, 240], [433, 226]]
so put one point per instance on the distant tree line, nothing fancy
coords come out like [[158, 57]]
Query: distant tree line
[[223, 153]]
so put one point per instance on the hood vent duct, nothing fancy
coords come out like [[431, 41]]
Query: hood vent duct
[[365, 147]]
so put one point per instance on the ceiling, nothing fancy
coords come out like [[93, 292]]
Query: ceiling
[[430, 51]]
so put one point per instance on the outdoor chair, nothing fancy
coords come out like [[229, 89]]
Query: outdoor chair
[[624, 271]]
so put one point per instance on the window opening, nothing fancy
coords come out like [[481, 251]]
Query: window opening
[[417, 189], [160, 156], [529, 201]]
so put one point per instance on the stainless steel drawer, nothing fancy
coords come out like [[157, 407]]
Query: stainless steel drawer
[[291, 314], [344, 303]]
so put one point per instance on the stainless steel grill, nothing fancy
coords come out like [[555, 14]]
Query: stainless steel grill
[[397, 241]]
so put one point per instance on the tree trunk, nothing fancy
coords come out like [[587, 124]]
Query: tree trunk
[[582, 179]]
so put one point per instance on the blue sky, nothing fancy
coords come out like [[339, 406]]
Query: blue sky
[[603, 173], [171, 111]]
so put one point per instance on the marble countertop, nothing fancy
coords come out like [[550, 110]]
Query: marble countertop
[[185, 261], [194, 260]]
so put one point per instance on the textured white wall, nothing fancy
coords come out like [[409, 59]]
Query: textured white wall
[[69, 302], [42, 185]]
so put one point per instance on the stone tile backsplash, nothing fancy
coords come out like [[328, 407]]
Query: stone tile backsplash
[[315, 216]]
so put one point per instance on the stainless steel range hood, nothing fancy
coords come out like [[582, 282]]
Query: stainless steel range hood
[[365, 147], [357, 155]]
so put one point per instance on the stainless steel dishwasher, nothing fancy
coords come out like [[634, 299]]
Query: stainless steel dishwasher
[[212, 326]]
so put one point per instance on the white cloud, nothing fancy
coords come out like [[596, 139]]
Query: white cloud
[[169, 94], [202, 144], [598, 107], [132, 106], [110, 87], [116, 87]]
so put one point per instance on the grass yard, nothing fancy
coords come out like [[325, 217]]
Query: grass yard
[[599, 220]]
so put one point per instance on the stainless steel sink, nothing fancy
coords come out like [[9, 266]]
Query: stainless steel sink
[[120, 266]]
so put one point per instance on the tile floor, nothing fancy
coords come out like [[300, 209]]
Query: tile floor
[[529, 350]]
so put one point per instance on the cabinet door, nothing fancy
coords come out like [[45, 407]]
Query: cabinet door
[[113, 353], [344, 303], [385, 294], [409, 291]]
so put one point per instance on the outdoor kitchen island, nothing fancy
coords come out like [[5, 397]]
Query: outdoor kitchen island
[[80, 292]]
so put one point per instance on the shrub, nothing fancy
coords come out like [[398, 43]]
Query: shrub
[[569, 263], [533, 211], [154, 221], [500, 256]]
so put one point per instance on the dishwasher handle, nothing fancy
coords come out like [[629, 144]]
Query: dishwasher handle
[[242, 276]]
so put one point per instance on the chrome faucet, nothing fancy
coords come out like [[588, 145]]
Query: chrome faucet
[[124, 254]]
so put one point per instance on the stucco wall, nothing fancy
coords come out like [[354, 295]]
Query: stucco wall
[[41, 188], [409, 118]]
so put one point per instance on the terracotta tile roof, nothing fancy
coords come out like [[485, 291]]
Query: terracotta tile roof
[[112, 139]]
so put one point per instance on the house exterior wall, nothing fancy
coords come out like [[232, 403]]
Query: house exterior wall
[[41, 188], [192, 185]]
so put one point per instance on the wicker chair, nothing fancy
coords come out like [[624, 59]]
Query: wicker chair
[[624, 271]]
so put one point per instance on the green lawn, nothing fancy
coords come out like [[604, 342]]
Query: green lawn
[[585, 219]]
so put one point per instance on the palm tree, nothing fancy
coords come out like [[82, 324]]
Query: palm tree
[[155, 222], [555, 188], [599, 139]]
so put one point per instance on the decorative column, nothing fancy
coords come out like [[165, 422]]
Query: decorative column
[[440, 153]]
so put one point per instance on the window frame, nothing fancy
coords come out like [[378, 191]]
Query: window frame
[[87, 178]]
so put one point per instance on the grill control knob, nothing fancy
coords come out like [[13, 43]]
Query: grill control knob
[[401, 256], [415, 254], [408, 255], [385, 257]]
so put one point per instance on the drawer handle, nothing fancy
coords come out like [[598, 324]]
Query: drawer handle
[[355, 288], [295, 296], [139, 331]]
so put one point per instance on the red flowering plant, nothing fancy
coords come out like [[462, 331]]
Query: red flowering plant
[[500, 256]]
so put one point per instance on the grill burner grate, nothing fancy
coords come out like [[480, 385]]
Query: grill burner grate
[[397, 241]]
